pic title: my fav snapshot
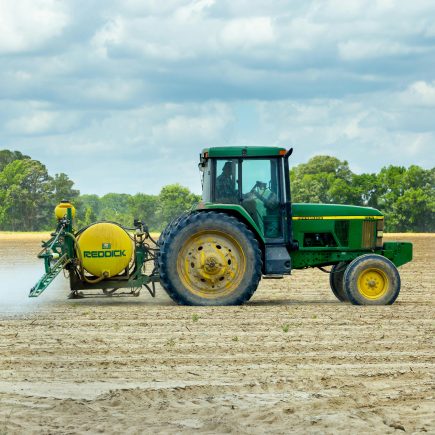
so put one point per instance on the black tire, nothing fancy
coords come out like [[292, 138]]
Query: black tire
[[372, 280], [210, 258], [165, 232], [168, 227], [336, 281]]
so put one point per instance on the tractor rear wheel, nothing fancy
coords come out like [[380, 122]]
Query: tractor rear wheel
[[168, 227], [164, 233], [372, 279], [210, 258], [336, 281]]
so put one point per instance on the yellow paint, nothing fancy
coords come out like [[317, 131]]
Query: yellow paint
[[61, 208], [373, 283], [105, 248], [314, 218], [211, 264]]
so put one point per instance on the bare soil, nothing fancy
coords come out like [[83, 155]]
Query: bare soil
[[294, 359]]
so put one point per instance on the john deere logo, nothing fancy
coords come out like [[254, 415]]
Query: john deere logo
[[104, 254], [106, 246]]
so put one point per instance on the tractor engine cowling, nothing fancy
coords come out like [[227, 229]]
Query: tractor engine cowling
[[105, 249]]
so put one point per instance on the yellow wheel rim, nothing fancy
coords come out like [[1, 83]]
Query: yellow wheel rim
[[211, 264], [373, 283]]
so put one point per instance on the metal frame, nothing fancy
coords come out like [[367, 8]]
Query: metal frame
[[60, 253]]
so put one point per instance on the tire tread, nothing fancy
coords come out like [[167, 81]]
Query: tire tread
[[350, 277], [192, 219]]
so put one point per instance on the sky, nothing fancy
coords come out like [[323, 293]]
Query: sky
[[122, 95]]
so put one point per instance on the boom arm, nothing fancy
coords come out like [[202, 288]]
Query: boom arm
[[57, 253]]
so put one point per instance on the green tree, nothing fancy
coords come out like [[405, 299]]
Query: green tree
[[28, 195], [115, 207], [25, 193], [144, 207], [323, 179], [407, 197], [62, 188], [84, 203], [7, 157], [414, 210], [87, 209], [366, 189], [90, 217], [174, 200]]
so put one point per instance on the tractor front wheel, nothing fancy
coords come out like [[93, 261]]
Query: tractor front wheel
[[336, 281], [210, 258], [371, 279]]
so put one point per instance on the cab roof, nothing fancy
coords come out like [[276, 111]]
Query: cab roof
[[251, 151]]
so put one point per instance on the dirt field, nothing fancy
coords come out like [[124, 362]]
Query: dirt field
[[292, 360]]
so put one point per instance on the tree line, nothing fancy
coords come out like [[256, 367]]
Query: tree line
[[28, 195], [405, 195]]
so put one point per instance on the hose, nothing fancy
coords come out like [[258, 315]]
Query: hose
[[330, 271]]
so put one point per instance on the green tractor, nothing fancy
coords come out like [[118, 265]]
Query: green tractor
[[244, 228]]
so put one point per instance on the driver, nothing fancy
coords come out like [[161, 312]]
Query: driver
[[225, 184]]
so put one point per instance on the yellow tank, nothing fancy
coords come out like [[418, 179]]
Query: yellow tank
[[60, 210], [105, 249]]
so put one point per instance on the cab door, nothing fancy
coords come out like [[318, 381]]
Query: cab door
[[262, 197]]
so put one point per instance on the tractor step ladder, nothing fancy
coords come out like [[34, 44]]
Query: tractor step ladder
[[48, 277]]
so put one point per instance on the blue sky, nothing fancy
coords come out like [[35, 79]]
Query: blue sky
[[123, 94]]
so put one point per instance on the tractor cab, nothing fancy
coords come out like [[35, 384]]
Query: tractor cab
[[252, 178], [252, 184]]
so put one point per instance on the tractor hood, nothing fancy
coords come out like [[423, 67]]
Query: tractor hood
[[319, 211]]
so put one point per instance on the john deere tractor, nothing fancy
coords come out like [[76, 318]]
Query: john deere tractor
[[245, 228]]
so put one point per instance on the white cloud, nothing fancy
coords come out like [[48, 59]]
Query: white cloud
[[248, 32], [300, 33], [39, 122], [193, 10], [36, 123], [113, 90], [366, 49], [26, 25], [149, 7], [369, 131], [420, 93], [133, 83], [112, 33], [204, 125]]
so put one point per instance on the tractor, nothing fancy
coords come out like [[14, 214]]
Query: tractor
[[244, 228]]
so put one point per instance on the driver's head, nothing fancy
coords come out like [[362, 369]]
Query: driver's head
[[261, 186], [226, 170]]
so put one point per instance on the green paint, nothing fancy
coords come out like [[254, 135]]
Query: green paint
[[324, 233], [104, 254], [332, 210], [222, 152], [398, 252], [238, 211], [315, 257]]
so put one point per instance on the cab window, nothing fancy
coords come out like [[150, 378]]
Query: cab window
[[227, 181], [261, 195]]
